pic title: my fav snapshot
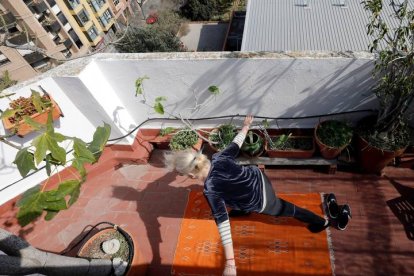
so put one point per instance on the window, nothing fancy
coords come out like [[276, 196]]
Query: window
[[105, 18], [75, 38], [62, 18], [82, 17], [92, 33], [97, 4], [72, 3], [3, 59]]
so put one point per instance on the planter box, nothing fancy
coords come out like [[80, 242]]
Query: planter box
[[291, 153], [153, 136], [162, 142], [24, 129]]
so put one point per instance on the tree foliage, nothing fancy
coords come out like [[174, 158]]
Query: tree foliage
[[394, 66], [199, 10], [47, 149], [148, 39], [203, 10]]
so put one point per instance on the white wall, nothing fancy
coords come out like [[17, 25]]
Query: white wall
[[278, 87], [102, 89]]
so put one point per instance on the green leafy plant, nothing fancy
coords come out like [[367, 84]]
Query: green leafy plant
[[47, 149], [253, 144], [223, 136], [287, 142], [214, 90], [6, 82], [394, 65], [158, 107], [183, 139], [166, 131], [333, 133]]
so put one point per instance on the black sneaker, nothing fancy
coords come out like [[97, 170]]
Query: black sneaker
[[332, 204], [344, 217], [316, 228], [238, 213]]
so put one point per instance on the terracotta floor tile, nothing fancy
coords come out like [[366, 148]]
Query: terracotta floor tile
[[148, 201]]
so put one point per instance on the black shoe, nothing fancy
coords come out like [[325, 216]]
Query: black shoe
[[316, 228], [344, 217], [238, 213], [332, 204]]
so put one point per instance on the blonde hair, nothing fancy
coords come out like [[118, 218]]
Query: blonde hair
[[187, 162]]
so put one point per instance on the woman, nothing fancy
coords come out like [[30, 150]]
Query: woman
[[243, 188]]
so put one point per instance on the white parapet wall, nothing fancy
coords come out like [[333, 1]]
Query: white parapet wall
[[101, 88]]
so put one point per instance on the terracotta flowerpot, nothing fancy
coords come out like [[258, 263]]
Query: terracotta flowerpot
[[328, 152], [136, 265], [213, 146], [24, 129], [291, 153], [372, 159], [196, 146]]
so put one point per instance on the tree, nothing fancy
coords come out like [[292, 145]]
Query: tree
[[148, 39], [394, 66], [199, 9]]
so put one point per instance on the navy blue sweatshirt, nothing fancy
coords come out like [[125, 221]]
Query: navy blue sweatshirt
[[232, 185]]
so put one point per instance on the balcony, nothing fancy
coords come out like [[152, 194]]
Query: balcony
[[131, 187], [9, 20], [68, 43], [53, 26], [18, 39], [97, 5], [40, 7]]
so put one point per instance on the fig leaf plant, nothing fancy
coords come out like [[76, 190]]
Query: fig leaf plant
[[159, 107], [51, 151]]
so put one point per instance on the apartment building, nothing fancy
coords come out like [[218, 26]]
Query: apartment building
[[62, 28]]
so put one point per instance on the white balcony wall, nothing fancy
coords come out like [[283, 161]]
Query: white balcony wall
[[101, 89], [278, 87]]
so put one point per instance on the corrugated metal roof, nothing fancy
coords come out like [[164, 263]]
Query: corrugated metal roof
[[288, 25]]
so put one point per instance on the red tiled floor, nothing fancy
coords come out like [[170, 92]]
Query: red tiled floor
[[148, 201]]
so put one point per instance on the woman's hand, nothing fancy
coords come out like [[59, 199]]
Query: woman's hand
[[229, 270], [248, 120]]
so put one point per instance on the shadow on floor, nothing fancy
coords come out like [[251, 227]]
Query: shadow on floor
[[403, 207]]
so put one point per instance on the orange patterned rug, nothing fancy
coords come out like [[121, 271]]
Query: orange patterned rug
[[264, 245]]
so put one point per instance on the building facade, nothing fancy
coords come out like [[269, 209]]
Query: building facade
[[62, 28]]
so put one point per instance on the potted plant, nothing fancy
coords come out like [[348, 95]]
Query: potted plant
[[253, 145], [384, 137], [26, 111], [185, 139], [332, 136], [114, 242], [288, 146], [222, 136], [91, 259]]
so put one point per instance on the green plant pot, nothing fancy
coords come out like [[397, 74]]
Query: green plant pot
[[223, 135], [253, 145]]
